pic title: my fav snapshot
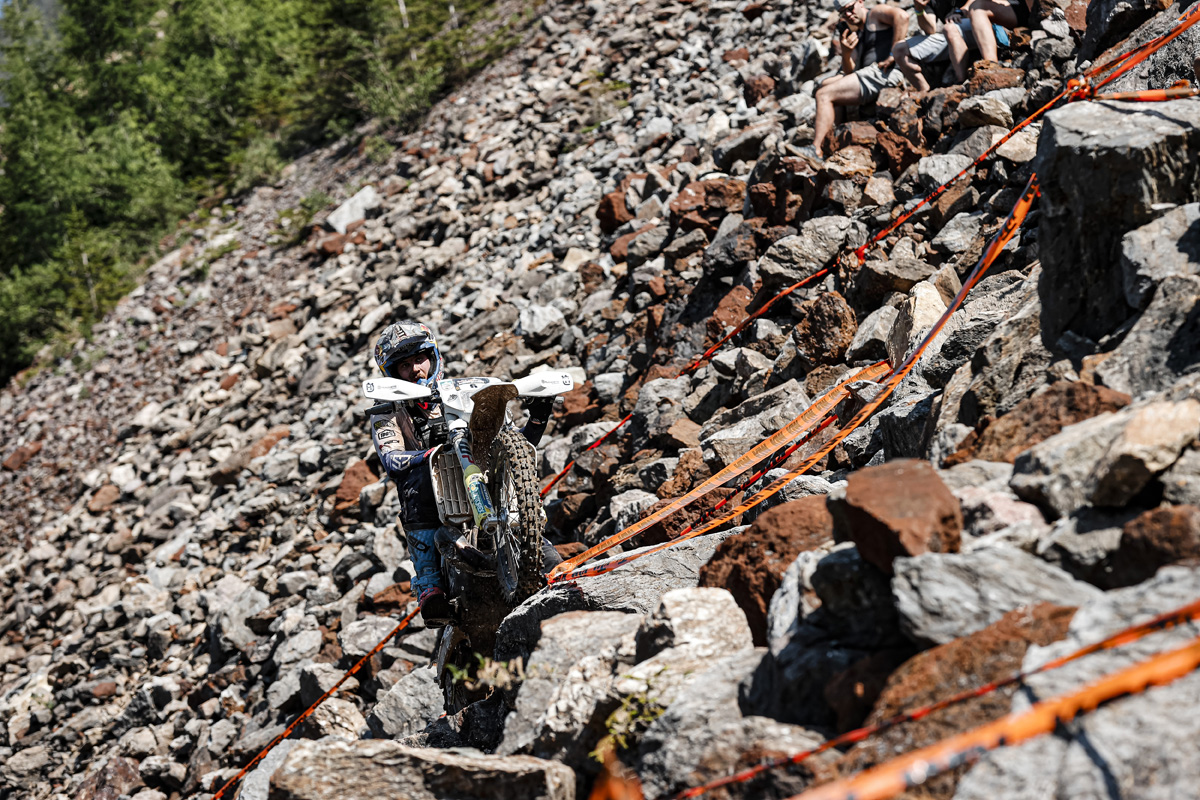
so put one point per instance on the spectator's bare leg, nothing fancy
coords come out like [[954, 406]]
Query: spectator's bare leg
[[910, 67], [983, 13], [958, 52], [843, 91]]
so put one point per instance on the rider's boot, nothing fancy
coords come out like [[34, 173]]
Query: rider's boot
[[426, 584], [435, 608]]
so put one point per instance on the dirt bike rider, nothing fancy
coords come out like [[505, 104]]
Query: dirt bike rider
[[408, 350]]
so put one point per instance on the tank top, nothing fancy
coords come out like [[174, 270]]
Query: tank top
[[874, 47]]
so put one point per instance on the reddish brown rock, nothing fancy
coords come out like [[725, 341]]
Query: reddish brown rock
[[763, 198], [104, 689], [103, 499], [988, 75], [856, 132], [570, 549], [571, 510], [757, 87], [683, 433], [356, 476], [612, 211], [229, 380], [1154, 539], [752, 11], [689, 471], [825, 330], [117, 777], [227, 471], [21, 456], [1036, 419], [751, 565], [580, 406], [899, 152], [900, 508], [620, 248], [393, 599], [702, 204], [736, 54], [985, 656]]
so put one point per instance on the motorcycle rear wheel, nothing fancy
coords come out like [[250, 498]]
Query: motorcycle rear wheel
[[512, 481]]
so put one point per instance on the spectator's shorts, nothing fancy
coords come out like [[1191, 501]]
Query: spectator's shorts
[[872, 80], [929, 48]]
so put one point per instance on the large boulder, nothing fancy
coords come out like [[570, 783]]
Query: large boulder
[[751, 566], [561, 706], [1150, 156], [942, 597], [1120, 749], [900, 508], [636, 588], [1108, 459], [704, 735], [331, 769]]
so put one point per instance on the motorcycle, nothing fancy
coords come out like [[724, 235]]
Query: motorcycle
[[495, 509]]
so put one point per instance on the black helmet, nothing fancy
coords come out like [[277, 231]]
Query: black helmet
[[403, 339]]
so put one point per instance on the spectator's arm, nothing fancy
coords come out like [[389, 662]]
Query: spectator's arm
[[898, 19], [846, 43], [926, 22]]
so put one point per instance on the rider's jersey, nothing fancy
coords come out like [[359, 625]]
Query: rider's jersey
[[403, 457]]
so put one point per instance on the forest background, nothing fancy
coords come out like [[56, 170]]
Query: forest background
[[122, 119]]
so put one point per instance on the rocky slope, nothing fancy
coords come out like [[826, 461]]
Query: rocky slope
[[196, 541]]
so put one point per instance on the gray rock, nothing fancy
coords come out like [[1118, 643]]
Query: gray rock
[[359, 637], [1169, 246], [636, 588], [368, 770], [1151, 156], [354, 209], [942, 597], [1107, 459], [257, 785], [561, 705], [660, 405], [934, 170], [703, 735], [1118, 750], [628, 507], [870, 340], [413, 702], [1084, 543], [541, 324], [1164, 341], [959, 233], [820, 240], [1181, 483]]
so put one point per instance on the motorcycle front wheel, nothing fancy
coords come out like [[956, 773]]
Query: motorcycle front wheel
[[512, 481]]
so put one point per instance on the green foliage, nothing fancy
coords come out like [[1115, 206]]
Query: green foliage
[[122, 115]]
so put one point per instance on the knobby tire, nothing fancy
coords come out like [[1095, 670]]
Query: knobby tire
[[512, 480]]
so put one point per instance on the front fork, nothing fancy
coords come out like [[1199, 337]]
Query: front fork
[[482, 509]]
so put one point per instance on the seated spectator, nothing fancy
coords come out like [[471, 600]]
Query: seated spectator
[[865, 40], [984, 14], [952, 43]]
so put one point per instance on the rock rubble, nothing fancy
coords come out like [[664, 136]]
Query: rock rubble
[[197, 541]]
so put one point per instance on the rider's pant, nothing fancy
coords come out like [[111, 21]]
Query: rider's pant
[[426, 560]]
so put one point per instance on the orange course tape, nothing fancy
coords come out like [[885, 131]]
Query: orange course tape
[[783, 437], [1167, 621], [913, 769], [1002, 237], [308, 711], [1150, 95]]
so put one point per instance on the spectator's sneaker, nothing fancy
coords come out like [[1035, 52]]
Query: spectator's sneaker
[[810, 152], [435, 608]]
